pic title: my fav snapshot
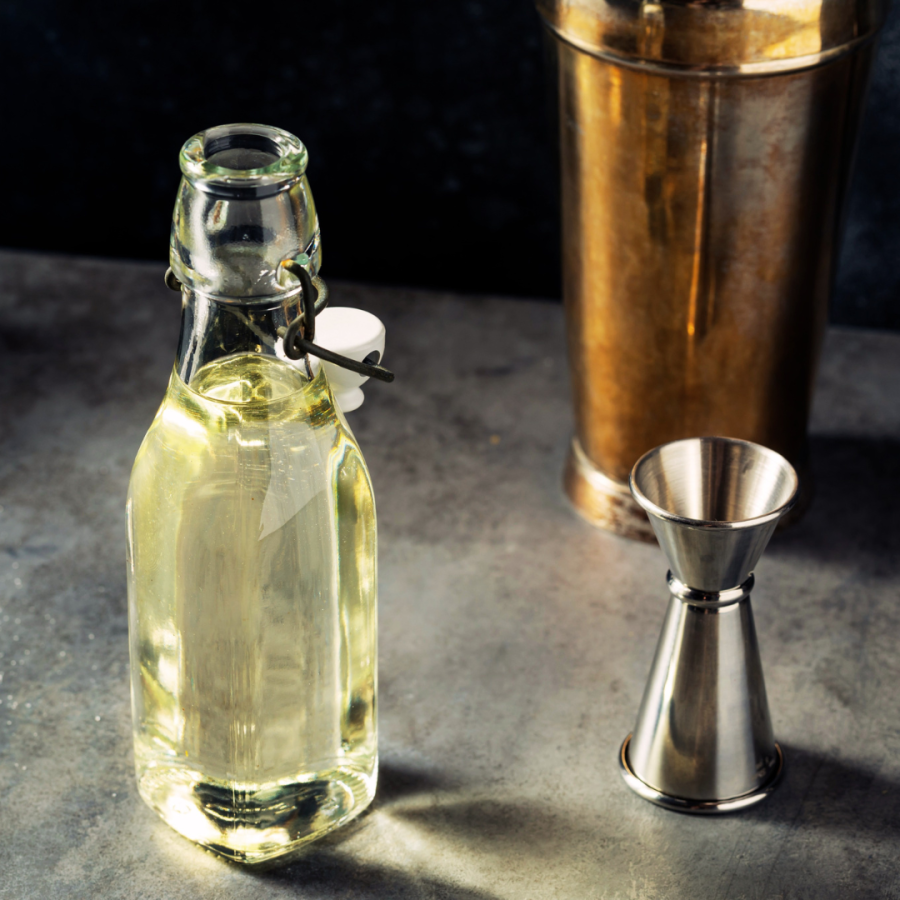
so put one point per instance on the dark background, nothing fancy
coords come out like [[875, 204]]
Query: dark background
[[430, 144]]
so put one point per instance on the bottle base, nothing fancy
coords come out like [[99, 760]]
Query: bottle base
[[255, 824]]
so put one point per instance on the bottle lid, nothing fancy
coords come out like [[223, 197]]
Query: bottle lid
[[354, 333]]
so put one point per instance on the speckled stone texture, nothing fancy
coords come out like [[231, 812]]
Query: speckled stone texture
[[515, 639]]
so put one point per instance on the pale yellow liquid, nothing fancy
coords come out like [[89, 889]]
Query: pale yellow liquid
[[252, 589]]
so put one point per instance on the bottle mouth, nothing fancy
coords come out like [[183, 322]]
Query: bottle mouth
[[243, 161]]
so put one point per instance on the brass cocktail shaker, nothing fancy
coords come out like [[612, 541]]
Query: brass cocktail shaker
[[705, 153]]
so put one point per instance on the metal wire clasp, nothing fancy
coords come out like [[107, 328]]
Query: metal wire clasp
[[300, 334]]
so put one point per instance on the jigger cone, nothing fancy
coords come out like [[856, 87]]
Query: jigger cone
[[703, 740]]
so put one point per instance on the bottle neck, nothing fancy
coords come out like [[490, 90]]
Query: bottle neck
[[212, 330]]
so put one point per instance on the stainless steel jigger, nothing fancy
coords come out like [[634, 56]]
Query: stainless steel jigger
[[703, 741]]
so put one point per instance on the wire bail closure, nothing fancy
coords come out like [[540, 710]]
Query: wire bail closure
[[300, 334], [298, 337]]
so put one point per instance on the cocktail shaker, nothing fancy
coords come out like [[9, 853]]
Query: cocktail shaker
[[705, 153]]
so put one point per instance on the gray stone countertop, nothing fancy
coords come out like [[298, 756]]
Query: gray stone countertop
[[514, 638]]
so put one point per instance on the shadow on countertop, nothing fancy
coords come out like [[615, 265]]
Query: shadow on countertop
[[324, 866], [820, 790], [466, 827], [342, 875], [854, 517]]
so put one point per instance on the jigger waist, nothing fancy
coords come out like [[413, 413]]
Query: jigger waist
[[708, 599]]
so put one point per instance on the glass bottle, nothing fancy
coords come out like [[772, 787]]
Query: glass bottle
[[251, 531]]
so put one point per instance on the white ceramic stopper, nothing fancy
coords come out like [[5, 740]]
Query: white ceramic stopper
[[354, 333]]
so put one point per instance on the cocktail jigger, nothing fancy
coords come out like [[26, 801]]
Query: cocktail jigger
[[703, 741]]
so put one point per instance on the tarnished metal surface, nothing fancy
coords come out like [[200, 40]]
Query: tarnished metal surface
[[752, 37], [705, 153], [602, 501]]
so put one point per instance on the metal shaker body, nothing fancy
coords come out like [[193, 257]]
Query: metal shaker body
[[705, 154]]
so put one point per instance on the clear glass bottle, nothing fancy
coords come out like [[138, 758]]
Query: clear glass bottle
[[251, 532]]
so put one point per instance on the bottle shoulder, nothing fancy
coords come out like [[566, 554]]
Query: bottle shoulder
[[198, 431]]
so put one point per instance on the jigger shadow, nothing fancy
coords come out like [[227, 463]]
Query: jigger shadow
[[854, 518], [820, 790]]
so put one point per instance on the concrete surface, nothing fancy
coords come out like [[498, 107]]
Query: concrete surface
[[515, 639]]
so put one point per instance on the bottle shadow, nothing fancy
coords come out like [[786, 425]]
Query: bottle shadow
[[328, 867], [342, 875], [396, 782], [444, 825], [818, 792], [442, 807]]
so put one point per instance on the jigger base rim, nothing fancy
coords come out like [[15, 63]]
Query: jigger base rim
[[699, 807]]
